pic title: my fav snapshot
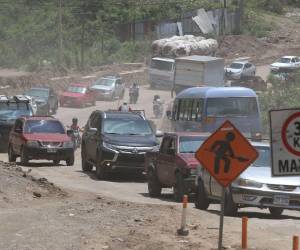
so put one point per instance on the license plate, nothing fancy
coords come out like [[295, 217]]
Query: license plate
[[51, 150], [281, 200]]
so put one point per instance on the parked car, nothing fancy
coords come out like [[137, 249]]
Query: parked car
[[255, 187], [40, 137], [286, 64], [109, 88], [115, 141], [174, 165], [10, 109], [240, 69], [45, 98], [78, 95]]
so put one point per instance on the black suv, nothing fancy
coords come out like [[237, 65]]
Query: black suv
[[46, 100], [115, 140], [11, 109]]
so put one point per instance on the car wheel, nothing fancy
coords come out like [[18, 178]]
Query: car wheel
[[154, 186], [56, 162], [230, 208], [70, 160], [85, 165], [179, 188], [11, 156], [101, 172], [276, 211], [24, 157], [201, 200]]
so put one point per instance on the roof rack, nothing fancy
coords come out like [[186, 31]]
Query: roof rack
[[21, 98], [140, 112], [3, 98]]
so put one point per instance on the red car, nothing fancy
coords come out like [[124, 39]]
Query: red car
[[39, 137], [78, 95], [174, 165]]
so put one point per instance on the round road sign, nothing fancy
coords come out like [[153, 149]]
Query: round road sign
[[290, 134]]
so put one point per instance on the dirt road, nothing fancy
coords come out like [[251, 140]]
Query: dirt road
[[133, 189]]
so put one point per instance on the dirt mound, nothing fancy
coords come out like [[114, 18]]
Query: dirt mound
[[18, 186], [240, 45]]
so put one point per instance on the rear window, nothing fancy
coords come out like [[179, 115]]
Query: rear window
[[232, 106], [43, 126], [77, 89], [162, 65], [189, 144]]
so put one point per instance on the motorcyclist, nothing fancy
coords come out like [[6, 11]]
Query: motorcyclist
[[75, 125], [125, 108]]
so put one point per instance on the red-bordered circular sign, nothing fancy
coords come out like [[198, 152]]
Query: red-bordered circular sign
[[290, 129]]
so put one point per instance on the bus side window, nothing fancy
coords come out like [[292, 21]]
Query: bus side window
[[188, 107], [181, 109], [198, 109]]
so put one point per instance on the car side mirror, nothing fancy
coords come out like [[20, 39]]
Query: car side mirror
[[159, 133], [70, 132], [93, 130]]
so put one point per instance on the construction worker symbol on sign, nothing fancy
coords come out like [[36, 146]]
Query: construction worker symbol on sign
[[223, 152]]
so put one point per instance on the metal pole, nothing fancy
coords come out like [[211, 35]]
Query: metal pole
[[60, 33], [221, 219]]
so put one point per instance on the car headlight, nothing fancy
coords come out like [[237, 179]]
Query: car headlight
[[33, 144], [155, 148], [249, 183], [68, 144], [109, 146]]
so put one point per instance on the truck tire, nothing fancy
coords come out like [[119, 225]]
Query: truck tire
[[154, 186], [179, 189], [85, 165], [11, 156], [56, 162], [230, 208], [275, 211], [201, 200]]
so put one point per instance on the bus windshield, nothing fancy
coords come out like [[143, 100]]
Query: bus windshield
[[161, 65], [231, 106]]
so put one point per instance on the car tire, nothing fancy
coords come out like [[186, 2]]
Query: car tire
[[154, 186], [24, 157], [101, 172], [11, 156], [179, 189], [85, 165], [201, 199], [70, 161], [56, 162], [230, 208], [276, 211]]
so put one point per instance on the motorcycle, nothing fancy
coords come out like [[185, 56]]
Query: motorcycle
[[157, 109], [133, 95]]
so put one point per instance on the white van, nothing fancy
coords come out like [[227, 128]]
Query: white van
[[161, 72]]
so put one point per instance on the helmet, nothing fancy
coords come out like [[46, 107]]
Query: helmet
[[74, 119]]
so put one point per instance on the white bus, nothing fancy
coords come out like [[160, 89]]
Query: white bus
[[161, 72]]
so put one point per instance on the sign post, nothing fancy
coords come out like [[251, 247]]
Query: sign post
[[225, 155], [285, 142]]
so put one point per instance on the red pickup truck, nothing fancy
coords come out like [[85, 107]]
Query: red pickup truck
[[174, 165]]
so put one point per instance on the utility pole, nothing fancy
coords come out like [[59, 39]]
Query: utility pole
[[239, 17], [60, 46]]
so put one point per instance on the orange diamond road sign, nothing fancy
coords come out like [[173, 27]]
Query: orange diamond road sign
[[226, 154]]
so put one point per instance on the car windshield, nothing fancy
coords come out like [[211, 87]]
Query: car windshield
[[105, 82], [14, 110], [189, 144], [264, 157], [41, 93], [284, 60], [43, 126], [127, 127], [231, 106], [236, 66], [76, 89]]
